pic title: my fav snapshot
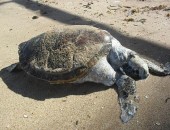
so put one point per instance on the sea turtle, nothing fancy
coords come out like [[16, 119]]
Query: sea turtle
[[81, 53]]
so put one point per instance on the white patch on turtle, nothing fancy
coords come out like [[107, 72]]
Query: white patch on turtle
[[115, 42], [102, 72], [107, 38], [118, 55]]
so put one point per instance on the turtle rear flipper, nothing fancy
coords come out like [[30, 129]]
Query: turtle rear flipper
[[157, 70], [14, 67]]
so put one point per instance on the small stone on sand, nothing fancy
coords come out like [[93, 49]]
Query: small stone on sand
[[157, 123], [146, 97], [35, 17], [25, 116]]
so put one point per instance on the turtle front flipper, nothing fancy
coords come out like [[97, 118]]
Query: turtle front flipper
[[127, 94], [157, 70], [14, 67]]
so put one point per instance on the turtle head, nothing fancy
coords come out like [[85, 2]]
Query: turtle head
[[136, 67]]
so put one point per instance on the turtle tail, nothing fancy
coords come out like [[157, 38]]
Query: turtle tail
[[14, 67], [157, 70]]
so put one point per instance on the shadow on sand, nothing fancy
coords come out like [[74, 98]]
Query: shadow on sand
[[28, 86]]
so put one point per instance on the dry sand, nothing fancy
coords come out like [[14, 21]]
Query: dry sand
[[30, 104]]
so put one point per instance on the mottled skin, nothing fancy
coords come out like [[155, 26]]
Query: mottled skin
[[80, 54]]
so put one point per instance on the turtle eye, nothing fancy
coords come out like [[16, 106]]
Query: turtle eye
[[127, 68], [136, 72]]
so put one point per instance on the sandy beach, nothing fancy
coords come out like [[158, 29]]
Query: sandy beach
[[27, 103]]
